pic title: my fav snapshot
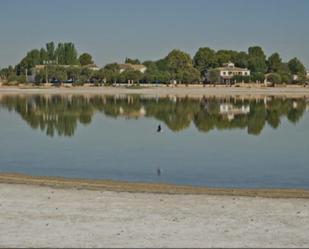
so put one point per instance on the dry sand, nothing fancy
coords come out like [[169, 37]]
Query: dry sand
[[40, 216], [180, 91]]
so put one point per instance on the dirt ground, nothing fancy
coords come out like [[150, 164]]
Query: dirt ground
[[41, 216]]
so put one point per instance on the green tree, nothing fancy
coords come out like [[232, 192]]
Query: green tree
[[132, 61], [57, 73], [204, 59], [274, 63], [162, 64], [296, 67], [73, 73], [50, 49], [113, 67], [190, 75], [43, 55], [256, 62], [177, 61], [224, 56], [258, 77], [85, 59], [132, 75], [241, 60], [152, 73], [112, 72], [66, 54], [214, 75], [274, 78]]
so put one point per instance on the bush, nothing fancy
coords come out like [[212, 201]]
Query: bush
[[258, 77], [240, 78], [274, 78], [214, 76]]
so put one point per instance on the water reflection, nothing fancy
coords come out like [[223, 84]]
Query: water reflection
[[59, 114]]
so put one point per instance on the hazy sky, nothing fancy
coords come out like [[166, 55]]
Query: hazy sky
[[113, 30]]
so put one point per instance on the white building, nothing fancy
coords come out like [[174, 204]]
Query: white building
[[228, 71]]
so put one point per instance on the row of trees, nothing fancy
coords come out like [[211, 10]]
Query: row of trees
[[256, 61], [52, 54], [176, 66], [80, 75]]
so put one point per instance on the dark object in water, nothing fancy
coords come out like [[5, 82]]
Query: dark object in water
[[159, 129], [158, 171]]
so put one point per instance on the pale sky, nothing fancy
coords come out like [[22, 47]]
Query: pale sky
[[113, 30]]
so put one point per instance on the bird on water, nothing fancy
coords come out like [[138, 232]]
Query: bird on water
[[159, 129]]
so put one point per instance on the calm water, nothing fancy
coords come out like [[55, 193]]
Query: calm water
[[208, 142]]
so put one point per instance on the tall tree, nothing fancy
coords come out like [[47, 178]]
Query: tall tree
[[50, 49], [66, 54], [296, 67], [70, 54], [177, 61], [274, 63], [257, 59], [85, 59], [204, 59], [43, 55], [241, 59], [60, 54], [224, 56]]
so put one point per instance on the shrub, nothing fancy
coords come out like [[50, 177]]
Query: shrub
[[274, 78]]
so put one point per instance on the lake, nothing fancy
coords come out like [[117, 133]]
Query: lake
[[214, 142]]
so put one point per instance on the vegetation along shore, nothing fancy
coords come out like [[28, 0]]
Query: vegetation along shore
[[60, 64]]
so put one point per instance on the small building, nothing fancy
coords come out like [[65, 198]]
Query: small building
[[92, 67], [228, 71], [135, 67]]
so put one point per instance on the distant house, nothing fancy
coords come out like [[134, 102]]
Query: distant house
[[93, 67], [135, 67], [228, 71]]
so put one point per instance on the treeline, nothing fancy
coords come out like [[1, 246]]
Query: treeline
[[51, 55], [177, 66], [60, 115]]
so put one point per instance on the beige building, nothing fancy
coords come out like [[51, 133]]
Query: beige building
[[135, 67]]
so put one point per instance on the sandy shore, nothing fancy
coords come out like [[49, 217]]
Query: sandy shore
[[181, 91], [59, 212], [37, 216], [139, 187]]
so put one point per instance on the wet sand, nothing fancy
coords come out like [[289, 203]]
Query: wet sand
[[38, 216], [135, 187]]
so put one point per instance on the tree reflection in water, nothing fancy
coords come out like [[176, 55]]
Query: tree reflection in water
[[61, 114]]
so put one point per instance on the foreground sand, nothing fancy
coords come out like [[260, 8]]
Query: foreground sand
[[40, 216]]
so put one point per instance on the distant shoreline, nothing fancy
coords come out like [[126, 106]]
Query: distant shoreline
[[179, 91], [141, 187]]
